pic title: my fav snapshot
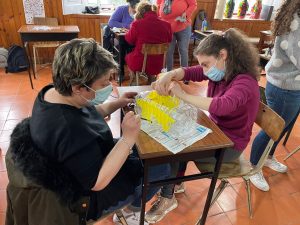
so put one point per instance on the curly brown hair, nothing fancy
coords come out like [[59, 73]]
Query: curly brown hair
[[242, 56], [284, 17], [79, 62], [144, 7]]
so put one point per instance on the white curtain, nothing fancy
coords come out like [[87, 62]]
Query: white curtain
[[220, 9]]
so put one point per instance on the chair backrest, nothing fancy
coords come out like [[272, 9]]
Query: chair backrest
[[154, 49], [263, 98], [265, 40], [45, 21], [102, 28], [272, 124]]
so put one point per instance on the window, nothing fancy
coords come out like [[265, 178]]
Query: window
[[221, 6], [77, 6], [237, 3]]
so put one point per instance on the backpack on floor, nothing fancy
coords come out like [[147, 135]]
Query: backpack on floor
[[16, 60], [3, 57]]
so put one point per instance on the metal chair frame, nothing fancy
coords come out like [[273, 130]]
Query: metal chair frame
[[273, 125]]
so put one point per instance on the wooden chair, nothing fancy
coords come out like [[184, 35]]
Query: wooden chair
[[271, 123], [288, 135], [149, 49], [288, 132], [265, 41], [47, 21]]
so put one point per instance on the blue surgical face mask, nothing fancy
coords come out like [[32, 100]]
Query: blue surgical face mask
[[132, 15], [214, 73], [100, 95]]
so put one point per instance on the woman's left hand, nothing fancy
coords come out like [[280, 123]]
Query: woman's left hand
[[126, 98], [176, 89]]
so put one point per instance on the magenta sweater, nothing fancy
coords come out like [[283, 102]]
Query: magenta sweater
[[234, 105]]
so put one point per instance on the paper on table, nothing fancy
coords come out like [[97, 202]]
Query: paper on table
[[41, 28], [178, 143]]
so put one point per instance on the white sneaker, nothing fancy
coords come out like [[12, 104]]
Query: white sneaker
[[259, 181], [273, 164], [179, 188], [132, 218], [160, 208]]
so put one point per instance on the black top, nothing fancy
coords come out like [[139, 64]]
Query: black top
[[80, 139]]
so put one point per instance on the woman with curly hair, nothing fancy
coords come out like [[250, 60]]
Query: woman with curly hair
[[229, 63], [283, 86]]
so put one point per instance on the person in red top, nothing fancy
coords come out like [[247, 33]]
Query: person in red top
[[147, 28], [178, 13]]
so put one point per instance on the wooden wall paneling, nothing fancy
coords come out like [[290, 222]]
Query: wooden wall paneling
[[89, 25], [250, 27], [12, 17], [53, 8], [257, 27], [209, 7], [3, 39]]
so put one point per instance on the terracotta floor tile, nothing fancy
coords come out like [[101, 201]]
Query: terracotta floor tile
[[2, 218], [285, 184], [2, 122], [3, 115], [3, 180], [18, 114], [10, 124], [7, 98], [220, 219], [231, 200], [4, 147], [2, 164], [2, 200], [5, 135], [5, 106]]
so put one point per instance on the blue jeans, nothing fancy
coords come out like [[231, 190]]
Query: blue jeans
[[157, 172], [182, 38], [284, 102]]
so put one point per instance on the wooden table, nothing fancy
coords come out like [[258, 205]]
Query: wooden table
[[152, 152], [202, 34], [34, 33]]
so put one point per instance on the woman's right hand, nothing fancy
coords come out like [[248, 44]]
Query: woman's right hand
[[130, 127], [163, 83]]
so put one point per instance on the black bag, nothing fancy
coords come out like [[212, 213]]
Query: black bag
[[91, 10], [108, 37], [16, 60]]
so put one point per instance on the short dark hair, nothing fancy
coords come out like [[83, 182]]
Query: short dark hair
[[133, 3], [79, 62]]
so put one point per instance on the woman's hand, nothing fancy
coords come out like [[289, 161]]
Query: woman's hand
[[163, 83], [130, 127], [176, 89], [126, 98]]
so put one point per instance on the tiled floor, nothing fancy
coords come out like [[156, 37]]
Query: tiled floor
[[279, 206]]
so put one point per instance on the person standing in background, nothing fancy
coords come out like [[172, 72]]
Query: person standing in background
[[178, 13], [283, 84]]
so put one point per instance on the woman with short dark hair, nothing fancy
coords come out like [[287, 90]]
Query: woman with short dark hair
[[68, 127]]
